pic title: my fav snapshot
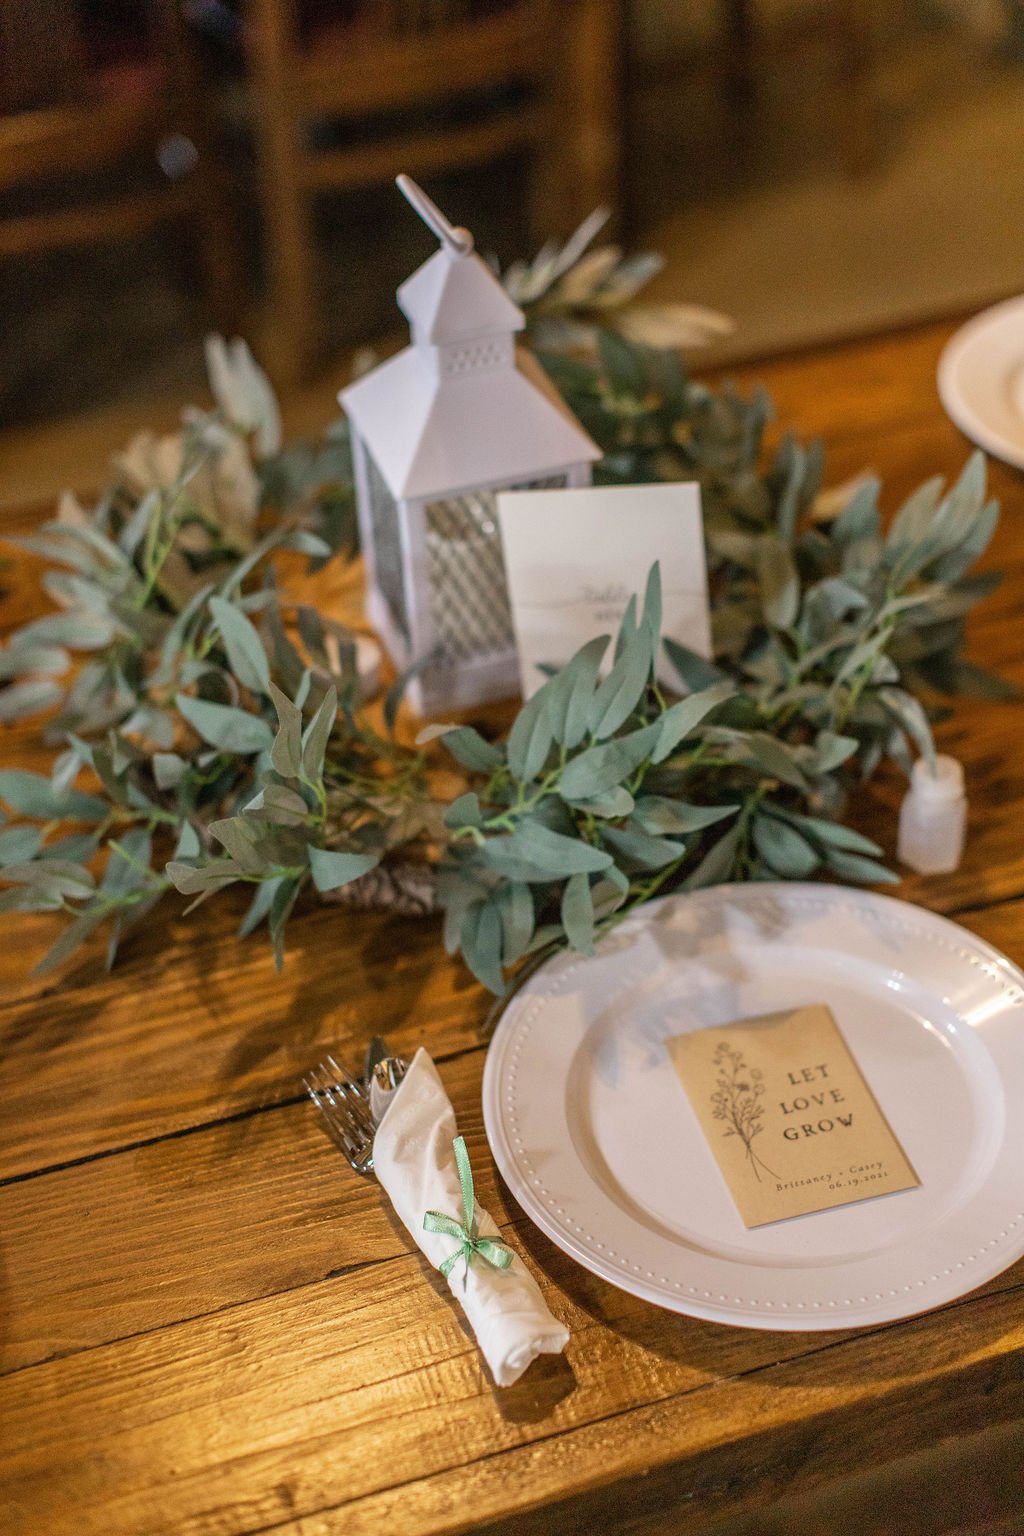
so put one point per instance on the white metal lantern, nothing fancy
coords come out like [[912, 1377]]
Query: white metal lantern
[[436, 431]]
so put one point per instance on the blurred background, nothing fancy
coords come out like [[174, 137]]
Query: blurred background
[[812, 168]]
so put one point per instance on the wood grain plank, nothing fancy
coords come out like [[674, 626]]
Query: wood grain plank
[[733, 1448], [211, 1327], [332, 1394], [273, 1206], [247, 1032], [199, 1034]]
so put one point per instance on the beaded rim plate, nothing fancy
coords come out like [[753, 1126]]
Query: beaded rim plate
[[981, 380], [594, 1136]]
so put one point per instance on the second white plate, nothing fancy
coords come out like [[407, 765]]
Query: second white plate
[[593, 1133], [981, 380]]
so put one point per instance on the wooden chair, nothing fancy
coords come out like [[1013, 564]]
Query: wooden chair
[[70, 109], [543, 74]]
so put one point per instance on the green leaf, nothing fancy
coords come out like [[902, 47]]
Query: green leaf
[[18, 845], [481, 941], [620, 693], [650, 620], [908, 713], [609, 892], [859, 518], [623, 365], [79, 847], [470, 749], [694, 671], [244, 647], [317, 734], [578, 914], [332, 869], [286, 750], [685, 716], [280, 910], [756, 749], [128, 864], [615, 804], [783, 849], [433, 731], [223, 726], [779, 583], [188, 846], [80, 630], [572, 690], [192, 880], [554, 851], [31, 795], [832, 750], [260, 906], [74, 935], [52, 877], [29, 898], [952, 565], [168, 769], [717, 863], [530, 738], [514, 901], [400, 687], [602, 768], [914, 519], [20, 660], [29, 697], [830, 833], [278, 804], [658, 814], [635, 850], [465, 811], [236, 836], [864, 871]]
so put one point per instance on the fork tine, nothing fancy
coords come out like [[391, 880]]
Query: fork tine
[[337, 1122], [345, 1111], [355, 1098]]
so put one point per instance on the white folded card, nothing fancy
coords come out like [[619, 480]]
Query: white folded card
[[574, 558]]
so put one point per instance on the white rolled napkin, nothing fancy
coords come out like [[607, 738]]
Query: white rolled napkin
[[414, 1161]]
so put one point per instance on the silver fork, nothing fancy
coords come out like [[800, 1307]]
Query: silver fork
[[346, 1111], [352, 1110]]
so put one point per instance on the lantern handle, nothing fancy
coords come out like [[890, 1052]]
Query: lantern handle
[[457, 241]]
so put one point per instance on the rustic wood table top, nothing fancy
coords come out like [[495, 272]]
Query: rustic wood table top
[[209, 1325]]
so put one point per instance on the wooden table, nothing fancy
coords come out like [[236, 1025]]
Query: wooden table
[[209, 1325]]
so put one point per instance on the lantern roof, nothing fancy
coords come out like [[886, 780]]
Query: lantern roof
[[457, 410], [433, 434], [455, 296]]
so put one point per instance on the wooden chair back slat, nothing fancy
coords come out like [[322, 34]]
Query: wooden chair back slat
[[42, 55]]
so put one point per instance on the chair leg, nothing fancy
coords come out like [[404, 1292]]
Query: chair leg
[[287, 210], [590, 121], [857, 59], [217, 248]]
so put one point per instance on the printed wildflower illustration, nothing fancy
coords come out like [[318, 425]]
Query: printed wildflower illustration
[[736, 1099]]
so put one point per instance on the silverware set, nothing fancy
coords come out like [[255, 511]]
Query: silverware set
[[352, 1109]]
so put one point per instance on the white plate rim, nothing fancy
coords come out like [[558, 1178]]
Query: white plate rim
[[998, 1254], [979, 329]]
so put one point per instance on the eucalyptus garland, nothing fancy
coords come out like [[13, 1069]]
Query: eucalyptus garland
[[209, 729]]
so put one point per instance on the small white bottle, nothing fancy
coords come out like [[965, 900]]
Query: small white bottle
[[932, 818]]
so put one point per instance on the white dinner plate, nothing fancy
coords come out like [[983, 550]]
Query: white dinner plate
[[981, 380], [594, 1135]]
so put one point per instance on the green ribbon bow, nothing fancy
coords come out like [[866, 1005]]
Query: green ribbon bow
[[493, 1250]]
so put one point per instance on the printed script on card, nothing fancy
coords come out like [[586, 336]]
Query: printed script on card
[[787, 1114], [574, 558]]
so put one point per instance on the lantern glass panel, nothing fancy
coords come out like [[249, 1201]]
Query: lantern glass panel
[[469, 605], [387, 544]]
